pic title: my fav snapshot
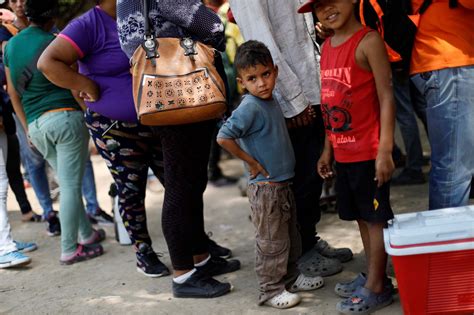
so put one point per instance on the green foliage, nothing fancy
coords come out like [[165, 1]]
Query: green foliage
[[69, 9]]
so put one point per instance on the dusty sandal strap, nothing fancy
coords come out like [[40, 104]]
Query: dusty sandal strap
[[305, 283]]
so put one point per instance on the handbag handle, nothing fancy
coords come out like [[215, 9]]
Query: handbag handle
[[151, 44]]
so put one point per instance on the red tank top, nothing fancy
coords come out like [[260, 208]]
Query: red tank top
[[349, 102]]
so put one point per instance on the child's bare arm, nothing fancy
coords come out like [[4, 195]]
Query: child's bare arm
[[324, 167], [373, 49], [231, 146]]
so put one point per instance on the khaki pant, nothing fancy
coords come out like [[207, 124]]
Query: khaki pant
[[278, 242]]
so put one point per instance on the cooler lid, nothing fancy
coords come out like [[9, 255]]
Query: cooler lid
[[434, 231]]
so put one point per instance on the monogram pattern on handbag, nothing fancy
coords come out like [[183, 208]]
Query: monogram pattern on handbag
[[170, 92]]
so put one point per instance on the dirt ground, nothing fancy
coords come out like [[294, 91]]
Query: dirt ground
[[110, 284]]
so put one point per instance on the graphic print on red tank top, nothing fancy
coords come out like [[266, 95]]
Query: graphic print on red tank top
[[349, 102]]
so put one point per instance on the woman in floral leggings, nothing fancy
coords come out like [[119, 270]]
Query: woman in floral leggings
[[128, 148]]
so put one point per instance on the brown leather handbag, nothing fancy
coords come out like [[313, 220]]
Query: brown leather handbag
[[175, 81]]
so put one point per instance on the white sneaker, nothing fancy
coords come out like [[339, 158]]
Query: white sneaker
[[284, 300], [305, 283]]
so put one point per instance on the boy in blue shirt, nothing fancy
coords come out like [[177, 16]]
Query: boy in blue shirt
[[257, 134]]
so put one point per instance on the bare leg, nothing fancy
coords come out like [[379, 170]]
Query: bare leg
[[196, 258], [377, 257], [364, 234]]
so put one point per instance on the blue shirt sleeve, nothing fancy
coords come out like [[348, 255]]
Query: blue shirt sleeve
[[244, 121]]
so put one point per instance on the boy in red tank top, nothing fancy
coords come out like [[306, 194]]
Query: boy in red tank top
[[359, 113]]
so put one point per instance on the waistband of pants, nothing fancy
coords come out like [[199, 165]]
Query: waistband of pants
[[64, 109], [284, 183]]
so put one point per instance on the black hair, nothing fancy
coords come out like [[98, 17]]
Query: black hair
[[252, 53], [41, 11]]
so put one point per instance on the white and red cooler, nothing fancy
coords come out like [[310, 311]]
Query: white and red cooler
[[433, 258]]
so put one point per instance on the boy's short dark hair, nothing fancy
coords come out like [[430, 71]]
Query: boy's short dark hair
[[252, 53]]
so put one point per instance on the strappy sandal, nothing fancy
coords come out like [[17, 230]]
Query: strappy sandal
[[313, 264], [284, 300], [96, 237], [304, 283], [364, 301], [82, 253]]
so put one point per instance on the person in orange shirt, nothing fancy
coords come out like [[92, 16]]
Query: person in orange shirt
[[442, 66]]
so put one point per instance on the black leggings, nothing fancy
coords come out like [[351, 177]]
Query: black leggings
[[185, 157]]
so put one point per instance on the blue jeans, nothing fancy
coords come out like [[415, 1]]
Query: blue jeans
[[409, 102], [449, 96], [35, 164], [88, 188]]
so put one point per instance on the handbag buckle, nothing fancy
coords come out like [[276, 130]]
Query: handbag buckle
[[189, 47], [151, 47]]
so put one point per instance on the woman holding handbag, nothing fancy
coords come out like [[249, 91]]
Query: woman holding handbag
[[128, 147], [185, 147]]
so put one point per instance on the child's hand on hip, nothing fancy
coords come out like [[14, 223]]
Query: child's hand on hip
[[255, 168], [384, 168]]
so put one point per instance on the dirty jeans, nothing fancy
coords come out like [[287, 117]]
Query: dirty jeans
[[6, 242], [62, 138], [449, 96], [278, 243]]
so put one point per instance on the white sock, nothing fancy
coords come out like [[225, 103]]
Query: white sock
[[202, 263], [181, 279]]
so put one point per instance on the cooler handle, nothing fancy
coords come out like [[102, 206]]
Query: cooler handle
[[455, 235]]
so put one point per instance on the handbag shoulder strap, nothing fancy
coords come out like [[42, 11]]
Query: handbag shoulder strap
[[150, 44], [146, 15]]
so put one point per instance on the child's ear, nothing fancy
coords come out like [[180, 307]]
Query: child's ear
[[240, 82], [276, 71]]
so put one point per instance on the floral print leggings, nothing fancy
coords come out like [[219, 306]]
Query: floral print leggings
[[128, 149]]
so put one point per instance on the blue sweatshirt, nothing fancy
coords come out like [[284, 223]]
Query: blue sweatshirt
[[260, 129]]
